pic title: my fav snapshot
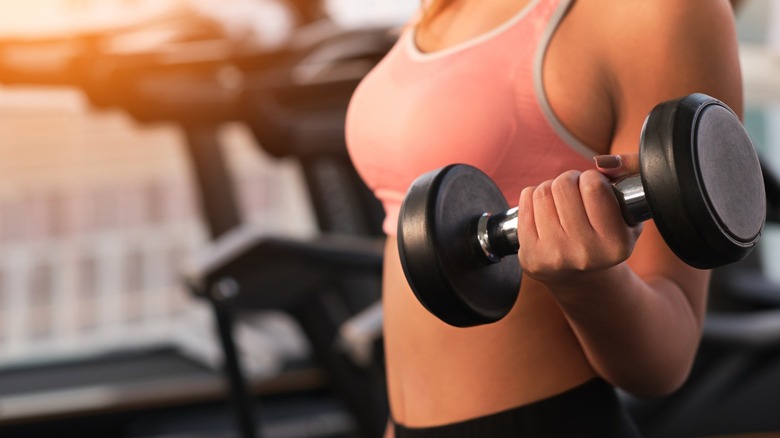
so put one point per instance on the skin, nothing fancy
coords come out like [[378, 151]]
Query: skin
[[599, 298], [736, 4]]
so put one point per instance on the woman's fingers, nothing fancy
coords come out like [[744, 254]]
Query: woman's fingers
[[572, 224]]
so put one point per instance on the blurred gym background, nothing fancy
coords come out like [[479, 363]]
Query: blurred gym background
[[102, 332]]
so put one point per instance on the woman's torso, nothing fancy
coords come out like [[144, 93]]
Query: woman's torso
[[481, 102]]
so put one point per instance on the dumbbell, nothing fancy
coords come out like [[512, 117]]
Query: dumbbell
[[700, 181]]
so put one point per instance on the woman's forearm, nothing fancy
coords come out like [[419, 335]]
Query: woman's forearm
[[639, 334]]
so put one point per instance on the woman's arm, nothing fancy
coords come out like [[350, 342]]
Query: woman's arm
[[635, 307]]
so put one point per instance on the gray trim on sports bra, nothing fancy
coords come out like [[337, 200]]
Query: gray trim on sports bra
[[556, 124], [419, 55]]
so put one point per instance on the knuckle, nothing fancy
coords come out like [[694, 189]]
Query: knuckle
[[571, 175], [566, 182], [592, 182], [543, 191], [525, 202], [526, 193]]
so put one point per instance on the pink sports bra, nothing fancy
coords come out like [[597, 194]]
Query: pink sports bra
[[481, 103]]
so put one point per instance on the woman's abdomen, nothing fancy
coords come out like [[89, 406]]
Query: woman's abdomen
[[439, 374]]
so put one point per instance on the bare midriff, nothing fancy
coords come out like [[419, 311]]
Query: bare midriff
[[440, 374]]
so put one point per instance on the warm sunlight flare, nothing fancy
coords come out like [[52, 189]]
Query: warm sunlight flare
[[50, 17]]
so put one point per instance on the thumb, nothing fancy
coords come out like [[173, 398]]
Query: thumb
[[616, 166]]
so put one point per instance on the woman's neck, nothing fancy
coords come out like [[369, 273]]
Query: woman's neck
[[462, 20]]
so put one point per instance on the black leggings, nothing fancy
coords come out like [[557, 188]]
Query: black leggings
[[589, 410]]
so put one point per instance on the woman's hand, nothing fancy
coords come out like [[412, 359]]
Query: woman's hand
[[571, 227]]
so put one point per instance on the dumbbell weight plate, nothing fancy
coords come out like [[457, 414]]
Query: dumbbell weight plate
[[453, 282], [702, 181]]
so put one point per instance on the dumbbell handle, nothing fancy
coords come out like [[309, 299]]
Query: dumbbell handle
[[497, 233]]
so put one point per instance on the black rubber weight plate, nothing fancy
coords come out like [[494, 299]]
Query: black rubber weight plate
[[730, 174], [703, 181], [436, 238]]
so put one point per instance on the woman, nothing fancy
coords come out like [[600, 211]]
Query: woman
[[530, 91]]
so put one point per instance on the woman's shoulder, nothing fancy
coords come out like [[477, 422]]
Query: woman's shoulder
[[662, 27], [666, 48], [646, 31], [658, 15]]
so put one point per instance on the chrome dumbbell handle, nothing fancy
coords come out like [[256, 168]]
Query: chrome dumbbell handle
[[497, 233]]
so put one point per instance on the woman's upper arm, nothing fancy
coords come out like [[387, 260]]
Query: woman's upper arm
[[667, 49]]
